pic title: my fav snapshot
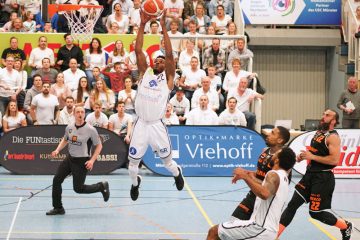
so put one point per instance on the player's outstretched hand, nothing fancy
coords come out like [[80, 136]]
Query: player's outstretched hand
[[89, 165], [163, 18], [144, 17]]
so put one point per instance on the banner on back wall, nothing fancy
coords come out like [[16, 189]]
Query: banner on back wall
[[349, 162], [27, 150], [292, 12], [209, 150]]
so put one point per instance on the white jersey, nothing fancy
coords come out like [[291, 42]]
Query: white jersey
[[152, 96], [267, 213]]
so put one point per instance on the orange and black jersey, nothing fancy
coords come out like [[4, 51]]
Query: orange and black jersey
[[318, 147], [264, 164]]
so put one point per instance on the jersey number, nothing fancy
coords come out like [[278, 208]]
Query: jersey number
[[315, 206]]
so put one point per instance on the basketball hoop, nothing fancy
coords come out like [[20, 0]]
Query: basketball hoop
[[81, 19]]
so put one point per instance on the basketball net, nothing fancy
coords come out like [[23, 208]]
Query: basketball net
[[82, 23]]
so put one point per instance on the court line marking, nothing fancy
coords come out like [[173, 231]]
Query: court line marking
[[197, 203], [14, 218], [317, 224]]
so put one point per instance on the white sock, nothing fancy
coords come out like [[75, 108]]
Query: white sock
[[133, 171], [171, 165]]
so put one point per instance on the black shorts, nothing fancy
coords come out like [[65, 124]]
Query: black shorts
[[246, 207], [317, 189]]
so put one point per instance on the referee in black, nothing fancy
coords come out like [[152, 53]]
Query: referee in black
[[80, 136]]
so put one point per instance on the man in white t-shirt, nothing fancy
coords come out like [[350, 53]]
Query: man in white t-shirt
[[66, 115], [203, 115], [206, 90], [180, 104], [44, 107], [191, 78], [73, 75], [121, 122], [244, 97], [97, 118], [174, 32], [174, 10], [39, 53], [231, 115]]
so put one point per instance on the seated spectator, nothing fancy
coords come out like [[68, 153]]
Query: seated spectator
[[215, 56], [181, 104], [73, 75], [99, 76], [114, 28], [17, 25], [242, 53], [29, 23], [220, 20], [48, 28], [82, 94], [121, 123], [13, 118], [14, 51], [134, 30], [192, 31], [48, 74], [126, 5], [121, 19], [134, 14], [60, 90], [170, 117], [128, 97], [94, 57], [190, 9], [66, 115], [232, 78], [30, 94], [202, 20], [97, 118], [208, 91], [153, 27], [39, 53], [33, 6], [215, 84], [119, 54], [85, 11], [231, 115], [44, 107], [104, 95], [203, 115], [175, 43], [208, 42], [186, 55], [229, 45], [174, 11], [161, 52], [117, 78], [132, 63], [67, 52], [7, 26], [227, 6], [244, 97], [191, 78]]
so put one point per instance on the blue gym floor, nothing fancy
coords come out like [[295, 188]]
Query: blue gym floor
[[161, 212]]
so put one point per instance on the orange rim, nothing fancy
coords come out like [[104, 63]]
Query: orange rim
[[54, 8]]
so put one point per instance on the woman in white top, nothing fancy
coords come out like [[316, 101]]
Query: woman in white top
[[220, 20], [202, 20], [103, 94], [119, 54], [94, 57], [119, 18], [60, 90], [81, 95], [13, 118], [128, 97], [229, 45], [23, 75], [186, 55], [210, 31], [232, 78]]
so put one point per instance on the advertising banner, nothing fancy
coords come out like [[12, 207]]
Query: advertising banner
[[27, 150], [292, 12], [210, 151], [349, 162]]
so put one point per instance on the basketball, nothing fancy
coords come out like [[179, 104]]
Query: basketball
[[153, 7]]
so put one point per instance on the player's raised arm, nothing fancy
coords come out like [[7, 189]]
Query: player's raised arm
[[169, 58], [140, 56]]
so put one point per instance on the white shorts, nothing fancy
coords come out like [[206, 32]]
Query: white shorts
[[154, 134], [239, 229]]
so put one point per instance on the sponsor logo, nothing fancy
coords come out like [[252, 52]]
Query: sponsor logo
[[104, 137], [35, 140], [20, 156], [47, 156], [132, 151], [107, 157], [153, 83]]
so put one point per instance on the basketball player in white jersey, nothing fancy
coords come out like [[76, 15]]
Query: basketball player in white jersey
[[152, 96], [271, 196]]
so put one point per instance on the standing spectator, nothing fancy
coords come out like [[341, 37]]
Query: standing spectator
[[349, 103], [94, 57], [121, 19], [244, 97], [215, 84], [39, 53], [23, 83], [174, 10], [232, 77], [241, 53], [202, 20], [227, 7], [191, 78], [121, 123], [30, 94], [125, 5], [44, 107], [14, 51], [66, 115], [170, 117], [60, 90], [231, 115], [134, 14], [181, 104], [82, 95], [117, 78], [97, 118], [186, 55], [203, 115], [73, 75], [205, 89], [119, 54], [175, 43], [128, 97], [67, 52], [220, 20], [190, 9], [104, 95], [13, 118], [215, 56], [48, 74]]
